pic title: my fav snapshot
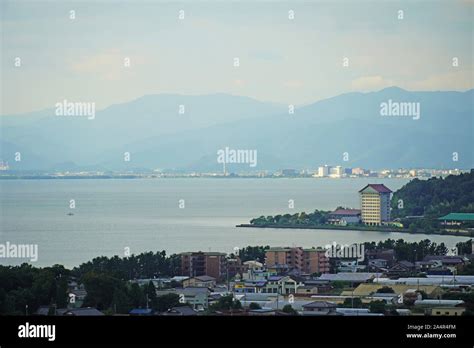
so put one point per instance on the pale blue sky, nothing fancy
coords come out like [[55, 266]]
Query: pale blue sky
[[286, 61]]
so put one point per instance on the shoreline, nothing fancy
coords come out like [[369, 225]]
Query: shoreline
[[355, 228]]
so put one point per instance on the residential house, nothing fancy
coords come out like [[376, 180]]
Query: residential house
[[453, 263], [76, 297], [283, 285], [200, 281], [385, 254], [401, 269], [249, 286], [378, 265], [350, 277], [320, 308], [344, 217], [447, 311], [196, 297], [307, 290], [369, 289]]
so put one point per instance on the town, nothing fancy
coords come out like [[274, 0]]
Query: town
[[389, 278], [324, 171]]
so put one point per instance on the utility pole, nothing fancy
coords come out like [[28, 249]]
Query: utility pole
[[352, 286]]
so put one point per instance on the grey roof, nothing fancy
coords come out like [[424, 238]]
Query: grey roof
[[193, 291], [349, 276], [444, 258], [406, 263], [429, 280], [165, 292], [43, 310], [312, 282], [320, 304], [378, 260], [205, 278], [83, 312], [296, 304], [384, 294], [258, 296], [437, 303], [79, 292], [307, 286]]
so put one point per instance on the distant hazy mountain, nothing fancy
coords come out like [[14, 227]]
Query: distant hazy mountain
[[157, 136], [49, 141]]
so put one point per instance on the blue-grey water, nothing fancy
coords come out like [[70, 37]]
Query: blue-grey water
[[144, 215]]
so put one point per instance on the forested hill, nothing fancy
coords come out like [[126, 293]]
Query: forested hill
[[435, 197]]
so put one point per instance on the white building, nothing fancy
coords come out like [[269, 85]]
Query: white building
[[336, 172], [323, 171]]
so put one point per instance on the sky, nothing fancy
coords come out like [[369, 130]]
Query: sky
[[282, 60]]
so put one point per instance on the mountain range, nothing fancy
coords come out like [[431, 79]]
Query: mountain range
[[348, 130]]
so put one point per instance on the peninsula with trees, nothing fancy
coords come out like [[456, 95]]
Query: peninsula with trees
[[433, 206]]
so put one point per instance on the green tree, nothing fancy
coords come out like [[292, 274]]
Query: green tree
[[377, 307], [100, 289], [385, 290], [289, 309], [167, 301], [137, 296], [226, 303], [356, 302], [254, 305]]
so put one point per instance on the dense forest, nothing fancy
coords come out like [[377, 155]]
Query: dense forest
[[435, 197]]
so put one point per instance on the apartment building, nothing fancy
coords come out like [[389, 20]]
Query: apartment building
[[290, 258], [195, 264], [306, 261], [315, 261]]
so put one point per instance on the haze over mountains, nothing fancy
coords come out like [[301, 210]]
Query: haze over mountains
[[156, 135]]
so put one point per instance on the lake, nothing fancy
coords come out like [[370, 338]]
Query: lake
[[176, 215]]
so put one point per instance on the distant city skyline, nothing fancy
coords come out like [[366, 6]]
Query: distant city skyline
[[289, 61]]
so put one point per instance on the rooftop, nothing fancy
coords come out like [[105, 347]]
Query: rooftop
[[380, 188], [353, 212], [320, 304], [205, 278], [349, 276], [83, 312], [458, 217]]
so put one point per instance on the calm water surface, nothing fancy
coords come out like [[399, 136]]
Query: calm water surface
[[144, 215]]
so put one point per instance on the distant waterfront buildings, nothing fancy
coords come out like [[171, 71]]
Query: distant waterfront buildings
[[358, 171], [289, 172], [375, 204], [323, 171], [4, 165], [328, 171]]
